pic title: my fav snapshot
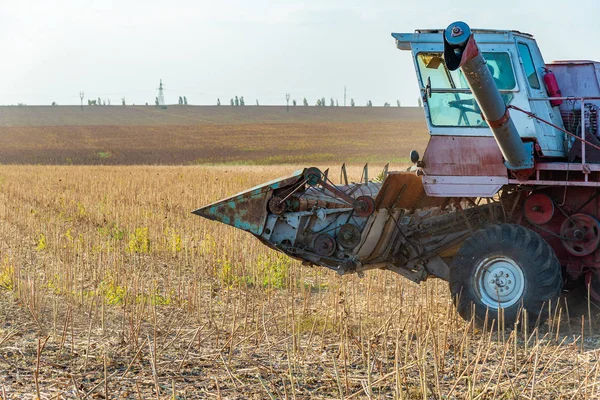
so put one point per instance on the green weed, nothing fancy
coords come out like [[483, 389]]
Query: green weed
[[7, 273], [112, 231], [41, 243], [139, 241], [104, 154], [274, 270]]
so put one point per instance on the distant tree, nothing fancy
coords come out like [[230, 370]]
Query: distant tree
[[180, 100], [108, 101], [398, 103], [323, 104], [352, 104], [231, 102], [319, 103], [305, 102], [242, 102], [103, 102], [146, 103], [89, 102], [419, 102], [257, 102], [369, 103], [99, 101], [156, 101], [336, 103], [331, 102], [294, 103], [386, 104], [218, 102], [184, 100], [53, 103], [237, 101], [122, 101]]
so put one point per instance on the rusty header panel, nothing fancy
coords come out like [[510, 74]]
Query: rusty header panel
[[248, 210]]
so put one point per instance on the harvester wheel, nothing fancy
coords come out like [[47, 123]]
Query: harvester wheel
[[508, 267]]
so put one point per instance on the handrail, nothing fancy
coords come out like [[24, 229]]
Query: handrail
[[582, 139], [464, 90], [563, 98]]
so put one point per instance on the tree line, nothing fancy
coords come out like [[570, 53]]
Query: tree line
[[238, 101]]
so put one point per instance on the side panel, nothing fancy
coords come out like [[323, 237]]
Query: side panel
[[463, 156], [577, 79], [463, 167]]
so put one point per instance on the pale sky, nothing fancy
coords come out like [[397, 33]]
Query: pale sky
[[53, 49]]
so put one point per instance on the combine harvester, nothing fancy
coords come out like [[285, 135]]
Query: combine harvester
[[504, 203]]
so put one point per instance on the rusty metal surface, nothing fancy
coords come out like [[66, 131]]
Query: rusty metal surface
[[247, 210], [388, 234], [403, 190], [374, 235], [463, 156]]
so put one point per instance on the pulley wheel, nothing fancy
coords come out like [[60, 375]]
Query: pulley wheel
[[364, 206], [276, 205], [324, 245], [313, 176], [348, 236], [581, 233], [538, 208]]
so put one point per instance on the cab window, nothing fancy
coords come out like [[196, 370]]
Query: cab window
[[528, 66], [432, 66], [451, 108]]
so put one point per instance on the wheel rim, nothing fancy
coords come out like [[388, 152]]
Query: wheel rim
[[500, 282]]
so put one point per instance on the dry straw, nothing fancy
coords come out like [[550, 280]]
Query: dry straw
[[139, 298]]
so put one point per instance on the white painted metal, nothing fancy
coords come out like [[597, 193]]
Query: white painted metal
[[576, 79], [499, 281], [463, 186]]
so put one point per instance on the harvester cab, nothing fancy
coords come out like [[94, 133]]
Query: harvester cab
[[463, 156], [504, 202]]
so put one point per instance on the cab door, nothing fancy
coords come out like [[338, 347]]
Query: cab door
[[532, 65]]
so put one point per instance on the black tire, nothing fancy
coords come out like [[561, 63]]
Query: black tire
[[489, 260]]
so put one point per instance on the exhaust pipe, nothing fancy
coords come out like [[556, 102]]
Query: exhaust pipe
[[461, 51]]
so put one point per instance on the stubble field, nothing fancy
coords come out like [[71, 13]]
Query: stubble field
[[111, 288]]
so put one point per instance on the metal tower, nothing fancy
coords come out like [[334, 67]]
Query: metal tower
[[161, 96]]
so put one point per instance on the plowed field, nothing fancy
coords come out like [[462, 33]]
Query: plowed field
[[208, 135]]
